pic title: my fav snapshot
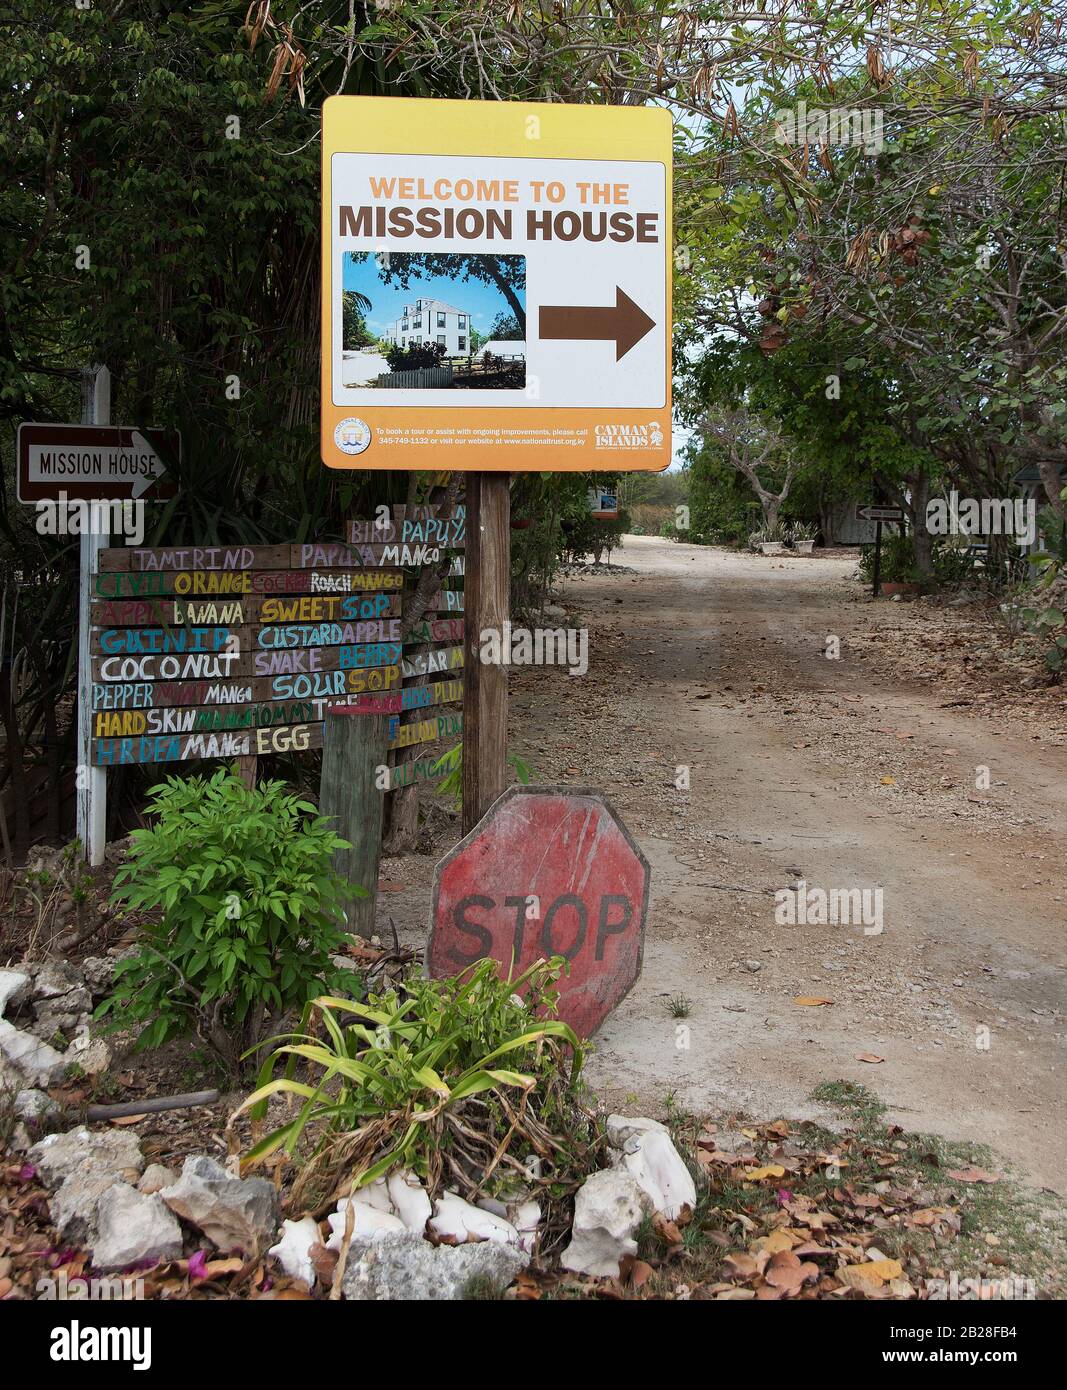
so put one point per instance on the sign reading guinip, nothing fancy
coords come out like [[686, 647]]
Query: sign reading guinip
[[496, 285]]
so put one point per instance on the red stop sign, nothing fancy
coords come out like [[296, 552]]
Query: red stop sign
[[546, 872]]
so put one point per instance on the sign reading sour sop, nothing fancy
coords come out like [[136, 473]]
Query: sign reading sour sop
[[496, 285]]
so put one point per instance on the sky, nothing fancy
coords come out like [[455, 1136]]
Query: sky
[[482, 302]]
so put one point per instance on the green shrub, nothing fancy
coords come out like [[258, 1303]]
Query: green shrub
[[248, 914], [411, 358], [954, 564], [459, 1079], [595, 535], [898, 560]]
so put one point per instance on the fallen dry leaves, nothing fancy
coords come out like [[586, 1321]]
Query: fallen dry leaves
[[825, 1242]]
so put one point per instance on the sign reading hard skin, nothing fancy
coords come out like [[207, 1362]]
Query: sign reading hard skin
[[496, 285], [547, 872]]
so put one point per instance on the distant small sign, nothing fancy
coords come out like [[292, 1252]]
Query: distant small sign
[[866, 511], [603, 502]]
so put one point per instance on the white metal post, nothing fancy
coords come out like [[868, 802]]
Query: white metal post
[[91, 781]]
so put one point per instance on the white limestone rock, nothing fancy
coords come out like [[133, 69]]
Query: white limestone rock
[[234, 1213], [92, 1055], [608, 1210], [293, 1251], [73, 1208], [406, 1267], [36, 1061], [155, 1178], [34, 1105], [14, 987], [645, 1148], [133, 1227], [54, 978], [114, 1151]]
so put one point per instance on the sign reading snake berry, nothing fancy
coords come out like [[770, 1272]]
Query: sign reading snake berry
[[547, 872]]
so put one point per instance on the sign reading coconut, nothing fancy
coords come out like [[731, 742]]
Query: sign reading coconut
[[496, 285], [547, 872]]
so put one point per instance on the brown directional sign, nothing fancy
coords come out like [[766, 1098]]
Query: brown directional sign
[[95, 462], [625, 323]]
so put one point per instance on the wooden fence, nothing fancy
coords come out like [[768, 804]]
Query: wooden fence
[[419, 378]]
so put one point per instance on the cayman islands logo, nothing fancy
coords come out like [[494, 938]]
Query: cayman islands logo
[[648, 436]]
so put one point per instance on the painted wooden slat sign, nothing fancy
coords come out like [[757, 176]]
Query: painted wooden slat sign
[[128, 723], [221, 665], [449, 600], [237, 651], [424, 730], [435, 630], [407, 774], [304, 685], [448, 532], [133, 723], [169, 748], [223, 583], [272, 637], [426, 663], [246, 609], [313, 555], [412, 697]]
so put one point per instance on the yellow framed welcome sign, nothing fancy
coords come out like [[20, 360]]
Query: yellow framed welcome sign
[[495, 285]]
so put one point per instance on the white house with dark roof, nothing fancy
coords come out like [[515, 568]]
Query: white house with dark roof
[[432, 321]]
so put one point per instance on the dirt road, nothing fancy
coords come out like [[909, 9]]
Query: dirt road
[[836, 772], [804, 767]]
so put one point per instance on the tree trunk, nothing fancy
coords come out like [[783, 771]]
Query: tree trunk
[[1053, 485], [922, 541]]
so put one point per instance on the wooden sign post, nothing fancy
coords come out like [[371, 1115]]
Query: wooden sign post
[[353, 749], [91, 781], [485, 688]]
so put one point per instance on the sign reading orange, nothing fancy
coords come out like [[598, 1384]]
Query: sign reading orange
[[496, 285]]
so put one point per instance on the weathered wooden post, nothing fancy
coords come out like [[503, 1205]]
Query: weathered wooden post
[[485, 687], [92, 781], [353, 749]]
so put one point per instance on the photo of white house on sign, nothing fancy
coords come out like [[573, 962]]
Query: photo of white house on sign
[[431, 321], [401, 332]]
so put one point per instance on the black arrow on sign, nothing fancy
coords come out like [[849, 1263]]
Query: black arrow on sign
[[626, 324]]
